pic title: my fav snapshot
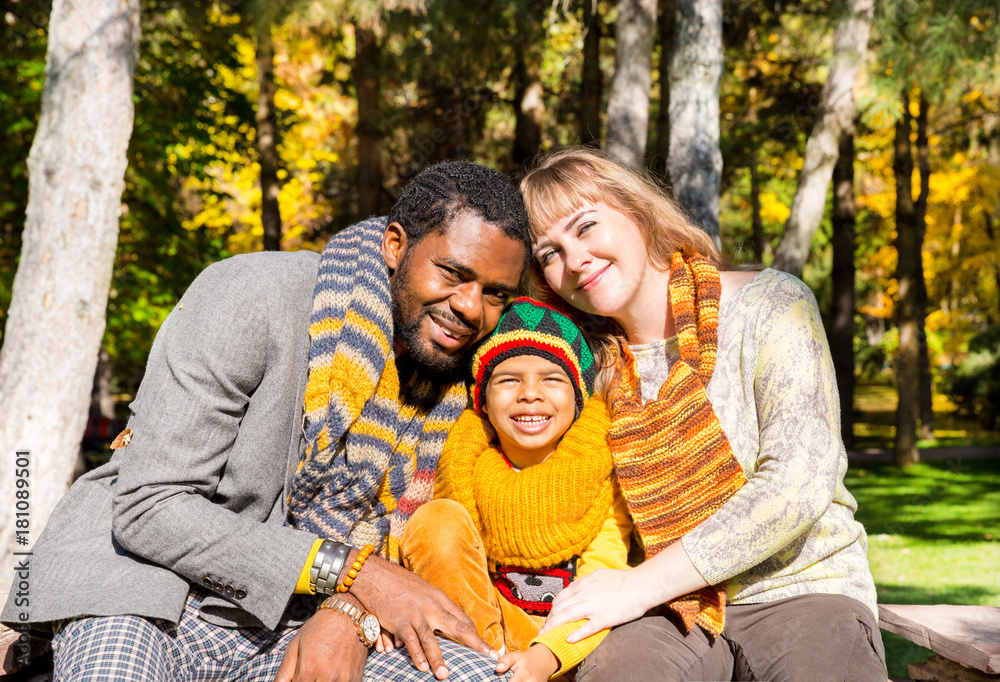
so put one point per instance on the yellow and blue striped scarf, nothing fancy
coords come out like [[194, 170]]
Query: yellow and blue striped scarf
[[372, 443]]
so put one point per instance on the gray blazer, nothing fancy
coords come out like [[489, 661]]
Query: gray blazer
[[197, 497]]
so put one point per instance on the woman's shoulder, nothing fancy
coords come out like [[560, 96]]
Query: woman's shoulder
[[768, 286]]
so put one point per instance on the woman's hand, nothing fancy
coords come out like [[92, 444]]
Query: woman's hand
[[537, 664], [610, 597], [604, 598]]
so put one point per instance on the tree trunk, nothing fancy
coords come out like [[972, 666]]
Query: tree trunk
[[267, 141], [850, 45], [102, 400], [368, 87], [907, 271], [758, 225], [593, 79], [695, 163], [665, 29], [842, 325], [529, 101], [56, 319], [628, 101], [926, 378]]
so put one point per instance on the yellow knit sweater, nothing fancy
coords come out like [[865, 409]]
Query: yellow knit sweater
[[567, 506], [540, 516]]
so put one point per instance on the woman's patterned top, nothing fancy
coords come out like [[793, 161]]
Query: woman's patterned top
[[790, 530]]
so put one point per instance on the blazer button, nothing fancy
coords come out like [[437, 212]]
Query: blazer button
[[219, 587], [230, 590], [207, 582], [240, 594]]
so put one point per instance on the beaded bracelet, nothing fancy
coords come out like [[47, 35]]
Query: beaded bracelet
[[352, 573]]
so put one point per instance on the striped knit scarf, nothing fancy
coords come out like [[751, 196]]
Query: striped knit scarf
[[372, 443], [674, 463]]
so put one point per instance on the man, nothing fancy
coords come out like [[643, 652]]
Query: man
[[178, 550]]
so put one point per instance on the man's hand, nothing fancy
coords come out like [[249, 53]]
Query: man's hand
[[412, 609], [537, 664], [325, 649]]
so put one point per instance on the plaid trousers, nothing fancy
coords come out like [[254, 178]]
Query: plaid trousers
[[132, 648]]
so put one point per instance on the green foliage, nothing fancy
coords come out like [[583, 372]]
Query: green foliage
[[974, 384]]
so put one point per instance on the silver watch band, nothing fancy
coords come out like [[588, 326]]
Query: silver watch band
[[330, 560]]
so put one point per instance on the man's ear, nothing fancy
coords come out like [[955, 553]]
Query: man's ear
[[394, 243]]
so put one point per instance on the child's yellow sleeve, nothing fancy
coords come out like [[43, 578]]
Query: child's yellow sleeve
[[608, 550], [304, 586]]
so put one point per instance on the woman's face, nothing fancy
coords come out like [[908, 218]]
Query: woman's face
[[595, 258]]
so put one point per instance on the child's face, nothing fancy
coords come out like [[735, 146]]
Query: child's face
[[531, 403]]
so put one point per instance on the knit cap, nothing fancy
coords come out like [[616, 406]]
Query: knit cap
[[529, 327]]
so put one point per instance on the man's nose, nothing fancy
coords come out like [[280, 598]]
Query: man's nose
[[467, 304]]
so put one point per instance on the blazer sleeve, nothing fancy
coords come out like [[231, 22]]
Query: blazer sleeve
[[208, 359]]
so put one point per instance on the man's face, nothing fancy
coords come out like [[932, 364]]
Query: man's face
[[449, 289]]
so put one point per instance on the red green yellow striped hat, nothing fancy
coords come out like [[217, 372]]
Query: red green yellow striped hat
[[529, 327]]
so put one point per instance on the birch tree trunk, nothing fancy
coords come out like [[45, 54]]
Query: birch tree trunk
[[694, 164], [267, 141], [102, 399], [367, 86], [907, 270], [529, 93], [836, 113], [56, 320], [593, 79], [842, 325], [628, 100]]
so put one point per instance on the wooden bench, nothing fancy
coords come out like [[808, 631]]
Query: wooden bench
[[966, 639]]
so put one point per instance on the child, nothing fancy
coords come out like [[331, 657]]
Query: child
[[521, 514]]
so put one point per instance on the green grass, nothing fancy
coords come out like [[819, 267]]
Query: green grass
[[934, 537]]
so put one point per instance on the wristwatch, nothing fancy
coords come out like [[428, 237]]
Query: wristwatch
[[367, 624]]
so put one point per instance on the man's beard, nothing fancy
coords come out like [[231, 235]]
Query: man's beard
[[448, 367]]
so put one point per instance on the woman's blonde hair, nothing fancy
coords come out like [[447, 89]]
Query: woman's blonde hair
[[567, 178]]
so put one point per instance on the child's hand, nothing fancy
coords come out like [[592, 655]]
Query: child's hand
[[537, 664], [386, 642]]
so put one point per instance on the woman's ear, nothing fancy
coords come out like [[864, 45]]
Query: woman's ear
[[394, 243]]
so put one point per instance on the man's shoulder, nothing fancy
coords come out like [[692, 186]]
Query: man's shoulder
[[270, 263], [265, 274]]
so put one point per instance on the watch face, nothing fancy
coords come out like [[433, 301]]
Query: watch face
[[370, 628]]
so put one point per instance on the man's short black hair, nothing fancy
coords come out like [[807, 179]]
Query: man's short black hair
[[438, 193]]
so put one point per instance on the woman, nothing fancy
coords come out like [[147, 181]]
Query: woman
[[726, 437]]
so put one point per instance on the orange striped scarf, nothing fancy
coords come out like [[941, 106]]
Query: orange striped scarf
[[674, 463]]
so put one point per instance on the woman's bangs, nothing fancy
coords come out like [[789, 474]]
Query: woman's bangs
[[551, 198]]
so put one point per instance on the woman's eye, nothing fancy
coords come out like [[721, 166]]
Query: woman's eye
[[584, 228], [546, 257]]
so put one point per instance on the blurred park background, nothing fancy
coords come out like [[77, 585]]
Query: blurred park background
[[851, 142]]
